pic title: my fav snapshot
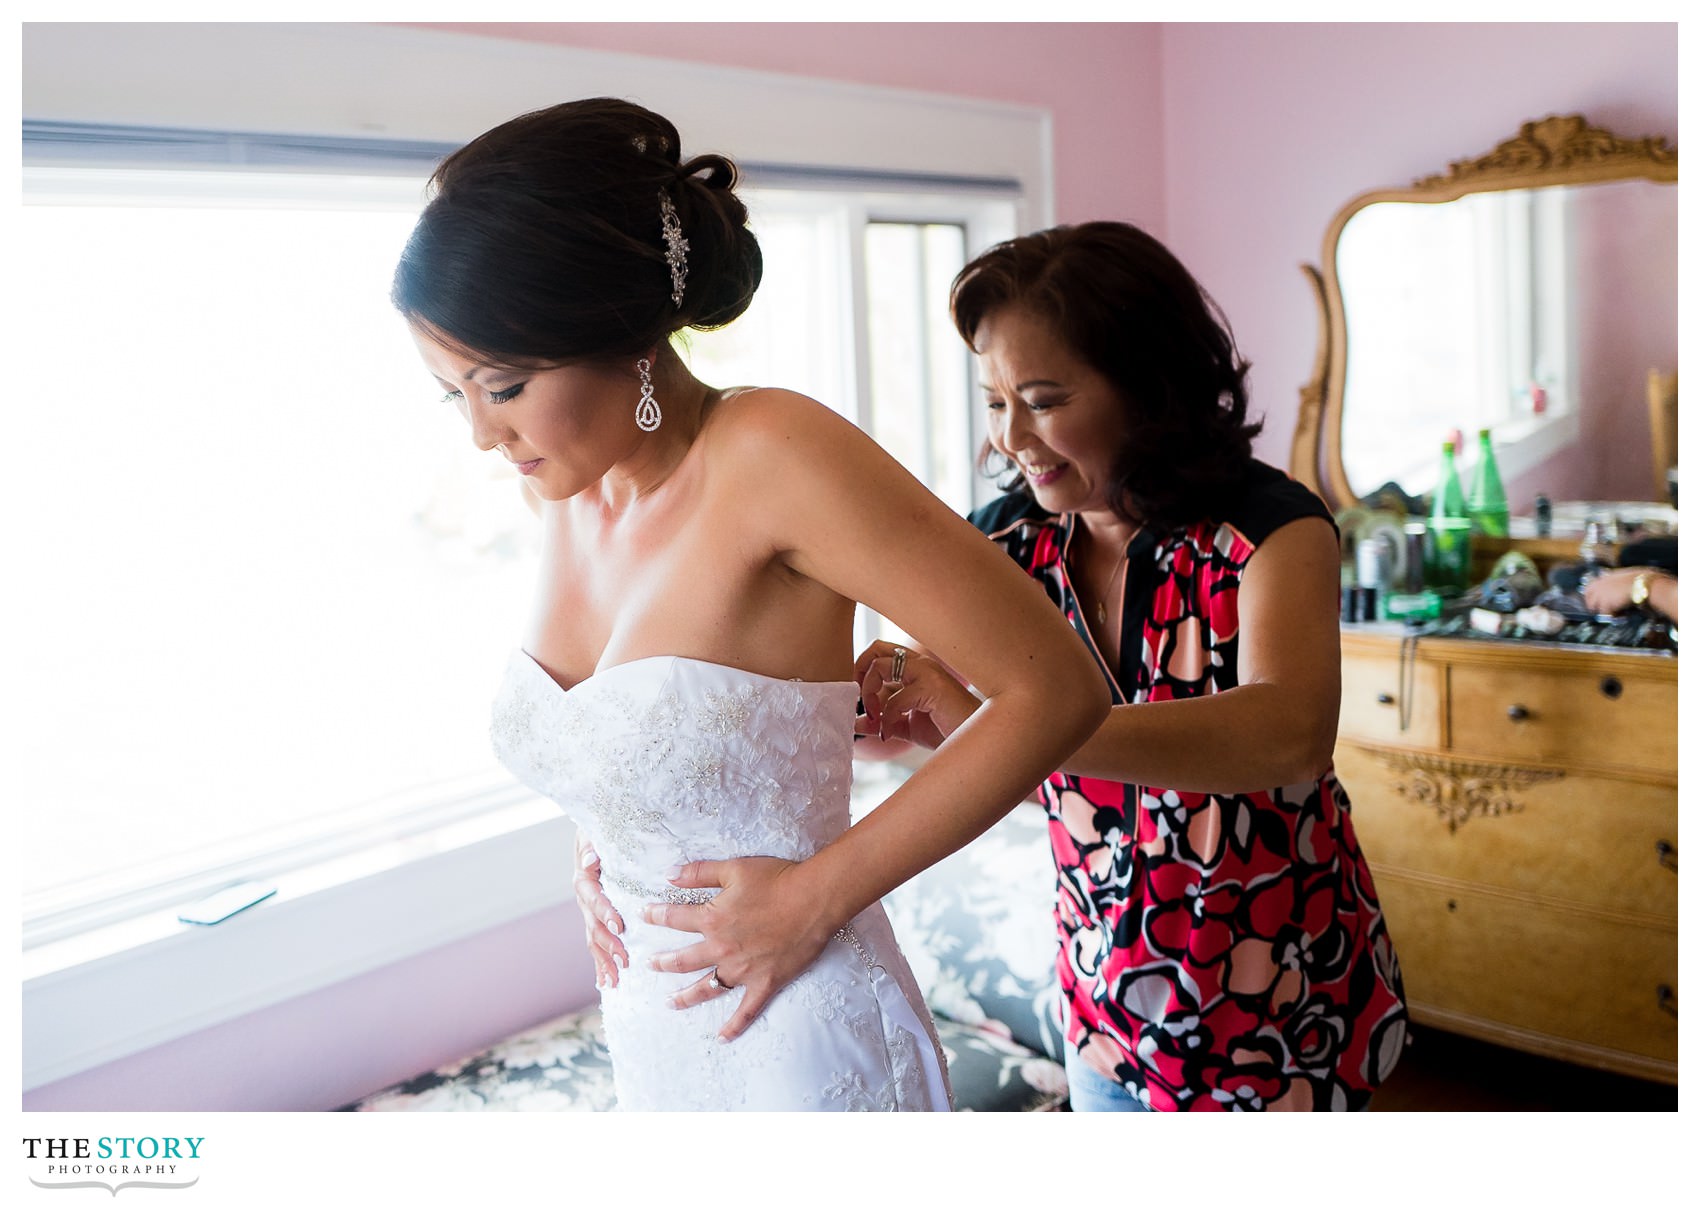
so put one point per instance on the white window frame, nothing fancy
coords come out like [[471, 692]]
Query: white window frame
[[1537, 264], [987, 215], [94, 994]]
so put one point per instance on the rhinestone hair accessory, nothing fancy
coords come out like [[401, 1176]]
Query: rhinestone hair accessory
[[677, 246], [648, 410]]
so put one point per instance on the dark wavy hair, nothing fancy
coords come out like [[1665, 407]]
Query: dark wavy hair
[[1132, 311], [541, 244]]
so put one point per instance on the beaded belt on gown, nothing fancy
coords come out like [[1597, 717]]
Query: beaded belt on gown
[[675, 895]]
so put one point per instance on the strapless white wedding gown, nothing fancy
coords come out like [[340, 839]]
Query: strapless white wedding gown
[[665, 760]]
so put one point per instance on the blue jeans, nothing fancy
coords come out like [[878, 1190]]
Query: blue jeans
[[1090, 1091]]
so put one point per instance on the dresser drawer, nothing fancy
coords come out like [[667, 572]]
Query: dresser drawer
[[1561, 977], [1621, 721], [1577, 839], [1371, 700]]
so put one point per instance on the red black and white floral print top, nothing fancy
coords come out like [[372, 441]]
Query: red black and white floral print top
[[1217, 952]]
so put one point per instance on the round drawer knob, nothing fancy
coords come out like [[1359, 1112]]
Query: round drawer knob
[[1611, 686], [1667, 1000], [1666, 853], [1517, 712], [1384, 699]]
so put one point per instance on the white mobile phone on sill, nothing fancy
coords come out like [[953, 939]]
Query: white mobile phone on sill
[[225, 903]]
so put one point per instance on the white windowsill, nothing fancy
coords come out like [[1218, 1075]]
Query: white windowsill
[[105, 994], [1523, 446], [95, 997]]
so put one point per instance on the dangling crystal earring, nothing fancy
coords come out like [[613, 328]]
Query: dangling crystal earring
[[648, 411]]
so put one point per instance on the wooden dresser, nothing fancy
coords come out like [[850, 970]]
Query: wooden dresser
[[1518, 806]]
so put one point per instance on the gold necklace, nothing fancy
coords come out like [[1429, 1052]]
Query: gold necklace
[[1102, 614]]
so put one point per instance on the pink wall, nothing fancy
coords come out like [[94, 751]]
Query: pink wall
[[1101, 82], [1233, 142], [1269, 129]]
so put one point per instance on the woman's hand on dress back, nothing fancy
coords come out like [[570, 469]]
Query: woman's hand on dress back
[[761, 931], [602, 924], [924, 707]]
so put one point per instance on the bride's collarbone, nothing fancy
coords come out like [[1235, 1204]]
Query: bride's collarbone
[[764, 622], [681, 576], [607, 608]]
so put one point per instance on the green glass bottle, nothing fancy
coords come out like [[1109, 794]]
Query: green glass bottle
[[1446, 550], [1490, 514]]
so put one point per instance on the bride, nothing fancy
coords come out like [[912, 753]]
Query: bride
[[684, 689]]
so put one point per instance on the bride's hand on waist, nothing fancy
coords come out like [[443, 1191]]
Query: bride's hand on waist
[[602, 924], [759, 933]]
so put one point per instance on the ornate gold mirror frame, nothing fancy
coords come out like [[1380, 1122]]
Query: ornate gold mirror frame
[[1556, 150]]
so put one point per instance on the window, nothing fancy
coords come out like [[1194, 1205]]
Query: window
[[255, 533], [920, 398], [854, 310], [271, 585]]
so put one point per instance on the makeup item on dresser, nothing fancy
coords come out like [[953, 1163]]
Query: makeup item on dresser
[[1500, 594], [1379, 565], [1543, 516], [1375, 566], [1542, 621], [1420, 607], [1564, 600], [1490, 513], [1567, 578], [1354, 599], [1365, 604], [1416, 535], [1491, 623], [1513, 584], [1413, 603], [1594, 550], [1446, 553]]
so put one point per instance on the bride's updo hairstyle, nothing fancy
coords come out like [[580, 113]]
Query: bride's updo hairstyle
[[542, 243]]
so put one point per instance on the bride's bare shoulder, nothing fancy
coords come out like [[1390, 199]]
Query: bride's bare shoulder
[[768, 422]]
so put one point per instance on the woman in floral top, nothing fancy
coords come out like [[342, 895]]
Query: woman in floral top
[[1221, 946]]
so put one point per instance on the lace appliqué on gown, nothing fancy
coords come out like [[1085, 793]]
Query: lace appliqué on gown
[[666, 760]]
